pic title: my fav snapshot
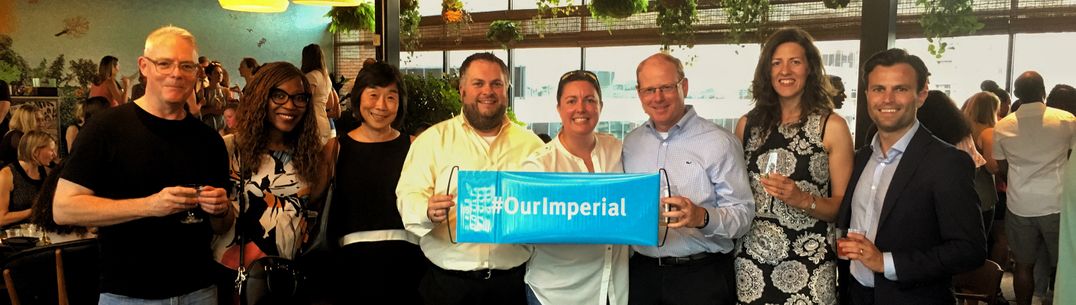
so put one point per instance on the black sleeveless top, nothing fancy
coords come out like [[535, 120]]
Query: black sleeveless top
[[366, 178], [23, 189]]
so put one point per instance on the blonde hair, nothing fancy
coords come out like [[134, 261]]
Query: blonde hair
[[31, 142], [982, 108], [24, 118], [161, 35]]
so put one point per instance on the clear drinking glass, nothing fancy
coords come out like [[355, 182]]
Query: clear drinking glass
[[191, 218]]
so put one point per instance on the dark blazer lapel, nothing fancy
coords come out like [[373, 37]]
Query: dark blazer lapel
[[909, 162], [845, 213]]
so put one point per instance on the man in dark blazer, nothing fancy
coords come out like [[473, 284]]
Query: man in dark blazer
[[912, 197]]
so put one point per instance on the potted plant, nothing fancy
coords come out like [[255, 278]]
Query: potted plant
[[946, 18], [356, 18], [504, 32], [551, 8], [407, 5], [616, 9], [430, 99], [455, 17], [836, 4], [744, 16], [409, 34], [675, 20]]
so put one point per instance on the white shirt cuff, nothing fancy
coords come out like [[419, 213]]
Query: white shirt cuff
[[887, 264]]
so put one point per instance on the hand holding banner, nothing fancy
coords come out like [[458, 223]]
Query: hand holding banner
[[535, 207]]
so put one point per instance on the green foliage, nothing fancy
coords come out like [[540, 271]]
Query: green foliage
[[430, 99], [835, 4], [9, 73], [407, 5], [616, 9], [504, 32], [744, 16], [409, 34], [676, 19], [56, 71], [347, 19], [946, 18], [83, 71], [553, 8]]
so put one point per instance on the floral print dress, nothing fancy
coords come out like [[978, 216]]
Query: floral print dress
[[787, 256]]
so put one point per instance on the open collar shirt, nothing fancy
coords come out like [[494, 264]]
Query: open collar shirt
[[426, 172], [579, 274], [705, 163]]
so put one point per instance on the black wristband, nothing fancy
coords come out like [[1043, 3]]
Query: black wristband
[[707, 219]]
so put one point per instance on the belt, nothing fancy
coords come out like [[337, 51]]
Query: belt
[[683, 260], [482, 274]]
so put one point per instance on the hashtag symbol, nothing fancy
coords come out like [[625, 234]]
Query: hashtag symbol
[[497, 202]]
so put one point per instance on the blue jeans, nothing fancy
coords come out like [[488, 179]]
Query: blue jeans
[[532, 299], [204, 296]]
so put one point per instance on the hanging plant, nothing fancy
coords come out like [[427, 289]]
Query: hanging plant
[[676, 22], [407, 5], [616, 9], [836, 4], [744, 16], [455, 17], [347, 19], [504, 32], [946, 18], [409, 34], [552, 8]]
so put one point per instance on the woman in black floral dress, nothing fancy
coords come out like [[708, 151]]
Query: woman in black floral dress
[[799, 158]]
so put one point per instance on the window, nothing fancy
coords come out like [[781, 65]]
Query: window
[[841, 58], [455, 58], [1035, 52], [535, 75], [426, 63], [966, 63]]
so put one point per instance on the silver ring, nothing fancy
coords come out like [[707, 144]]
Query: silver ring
[[860, 251]]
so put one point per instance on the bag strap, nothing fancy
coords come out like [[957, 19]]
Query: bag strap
[[243, 202]]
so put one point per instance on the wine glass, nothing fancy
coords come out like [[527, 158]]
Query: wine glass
[[191, 218]]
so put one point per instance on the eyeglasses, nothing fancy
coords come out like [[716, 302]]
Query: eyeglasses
[[280, 97], [579, 74], [166, 65], [663, 89]]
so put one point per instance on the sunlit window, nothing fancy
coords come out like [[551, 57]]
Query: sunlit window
[[535, 75], [965, 64], [1033, 52], [426, 63]]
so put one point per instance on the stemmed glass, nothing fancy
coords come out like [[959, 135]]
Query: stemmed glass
[[191, 218]]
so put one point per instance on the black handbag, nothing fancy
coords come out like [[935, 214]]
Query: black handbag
[[269, 279]]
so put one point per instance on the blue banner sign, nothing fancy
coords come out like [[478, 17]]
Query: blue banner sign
[[575, 208]]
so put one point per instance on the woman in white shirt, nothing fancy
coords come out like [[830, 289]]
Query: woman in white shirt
[[326, 104], [578, 274]]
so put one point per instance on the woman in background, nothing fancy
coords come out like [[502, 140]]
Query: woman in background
[[799, 161], [83, 111], [20, 181], [326, 104], [106, 85], [24, 118]]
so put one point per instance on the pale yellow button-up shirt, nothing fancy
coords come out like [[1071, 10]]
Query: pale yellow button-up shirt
[[425, 173], [579, 274]]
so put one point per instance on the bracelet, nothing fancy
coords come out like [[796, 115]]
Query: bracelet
[[707, 219], [813, 201]]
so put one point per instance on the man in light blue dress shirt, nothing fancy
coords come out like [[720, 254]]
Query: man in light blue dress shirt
[[913, 198], [711, 202]]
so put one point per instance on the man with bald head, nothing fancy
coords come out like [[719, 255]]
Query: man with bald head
[[709, 203], [137, 171], [1032, 147]]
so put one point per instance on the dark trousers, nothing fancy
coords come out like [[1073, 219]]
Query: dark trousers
[[368, 271], [859, 294], [449, 287], [708, 281]]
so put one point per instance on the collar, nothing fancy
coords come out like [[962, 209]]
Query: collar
[[560, 146], [467, 125], [898, 148], [689, 114]]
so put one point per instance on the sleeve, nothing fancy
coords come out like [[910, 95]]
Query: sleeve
[[416, 184], [963, 243], [999, 150], [90, 155], [731, 217], [5, 91], [887, 265]]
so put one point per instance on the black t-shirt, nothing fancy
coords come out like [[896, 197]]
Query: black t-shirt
[[129, 153], [366, 178]]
